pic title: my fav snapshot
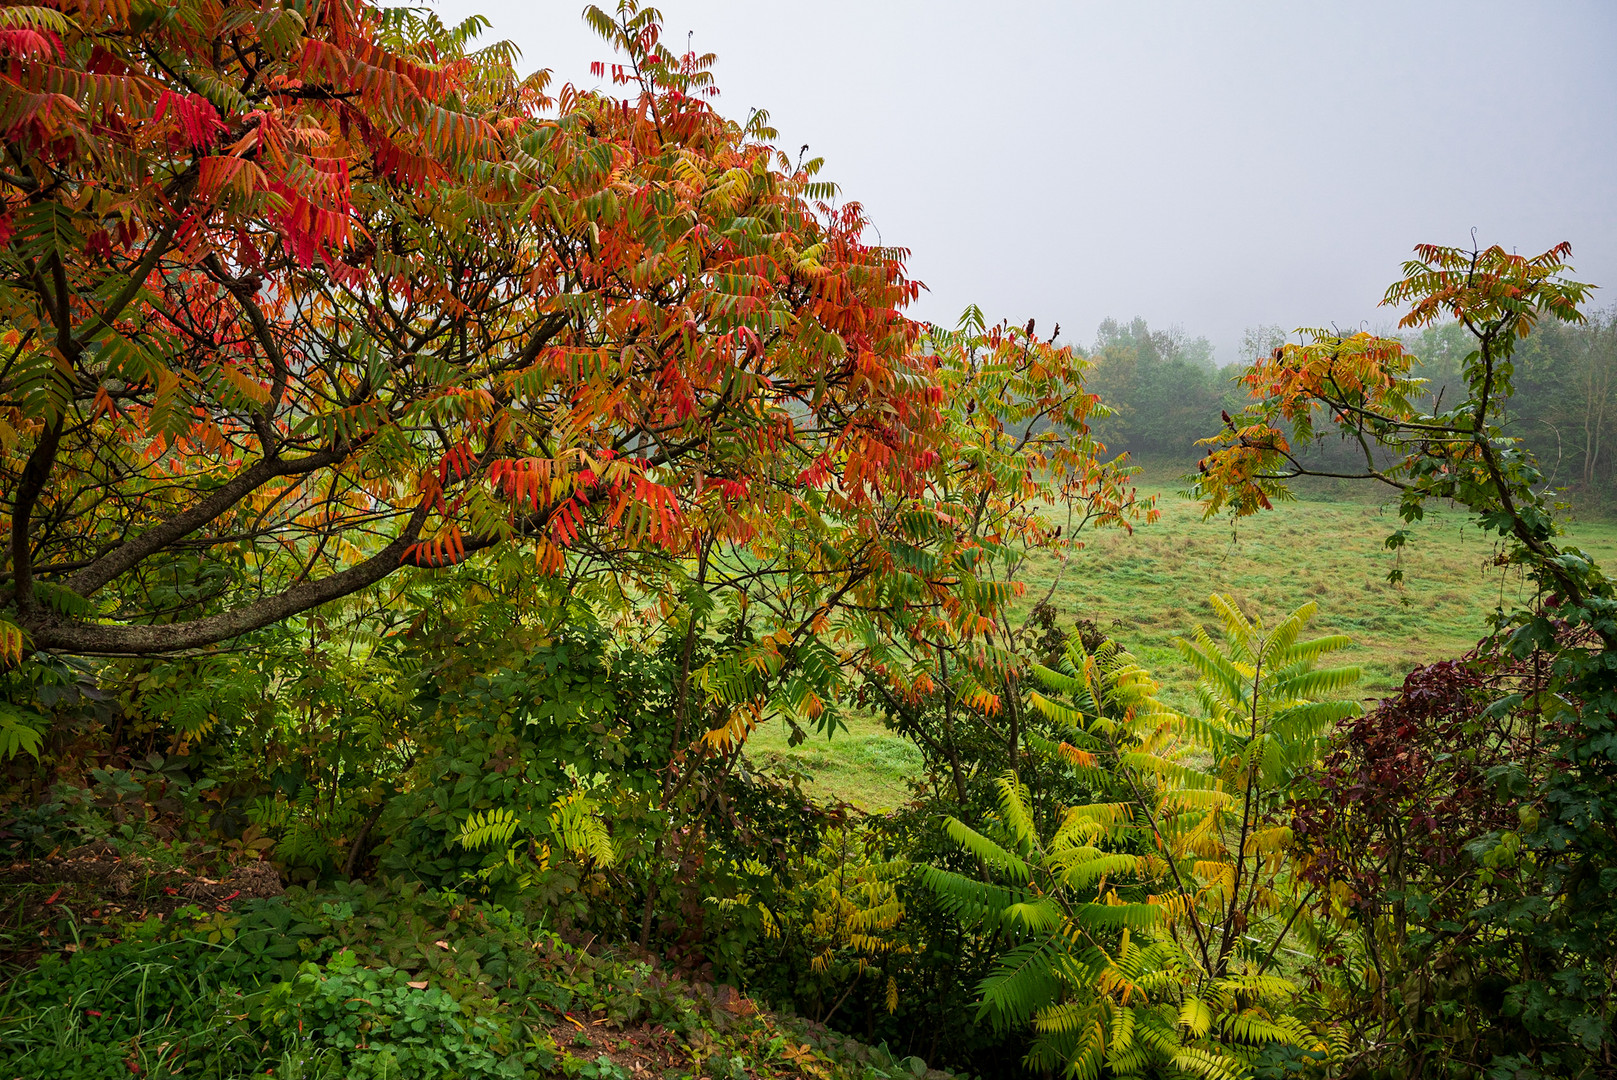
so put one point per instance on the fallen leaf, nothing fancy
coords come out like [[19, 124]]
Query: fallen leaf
[[422, 985]]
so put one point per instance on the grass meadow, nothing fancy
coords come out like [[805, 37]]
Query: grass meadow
[[1146, 588]]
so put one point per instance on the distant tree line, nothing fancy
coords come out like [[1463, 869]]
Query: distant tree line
[[1565, 403], [1163, 386]]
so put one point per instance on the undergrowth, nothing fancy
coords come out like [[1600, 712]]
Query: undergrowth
[[390, 982]]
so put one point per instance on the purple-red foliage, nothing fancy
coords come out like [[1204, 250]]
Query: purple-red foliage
[[1410, 783]]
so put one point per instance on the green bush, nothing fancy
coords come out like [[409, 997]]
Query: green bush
[[281, 985], [138, 1005], [387, 982], [380, 1023]]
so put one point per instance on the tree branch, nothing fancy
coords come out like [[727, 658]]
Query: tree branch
[[126, 556], [57, 634], [29, 486]]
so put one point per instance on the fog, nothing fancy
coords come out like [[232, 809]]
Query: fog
[[1216, 166]]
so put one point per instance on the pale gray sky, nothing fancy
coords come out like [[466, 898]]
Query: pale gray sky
[[1214, 165]]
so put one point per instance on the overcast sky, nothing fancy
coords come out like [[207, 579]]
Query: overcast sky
[[1211, 165]]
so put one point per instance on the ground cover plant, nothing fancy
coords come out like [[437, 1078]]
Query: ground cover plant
[[426, 486], [393, 982]]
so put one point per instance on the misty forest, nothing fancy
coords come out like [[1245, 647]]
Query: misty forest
[[499, 581]]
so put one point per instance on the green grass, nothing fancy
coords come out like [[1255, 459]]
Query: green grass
[[866, 765], [1147, 588]]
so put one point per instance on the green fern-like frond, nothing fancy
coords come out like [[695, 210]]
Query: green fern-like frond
[[1229, 683], [1122, 1030], [21, 731], [485, 829], [1198, 799], [1087, 1054], [36, 18], [1067, 1017], [581, 831], [1135, 917], [1090, 822], [1058, 713], [1309, 652], [304, 844], [1312, 719], [1261, 985], [1037, 915], [1167, 770], [1081, 872], [1070, 1055], [188, 709], [1216, 730], [985, 849], [971, 900], [1318, 682], [1013, 811], [1158, 1030], [1023, 982], [1253, 1028], [1061, 682], [1238, 629], [61, 599], [1208, 1064]]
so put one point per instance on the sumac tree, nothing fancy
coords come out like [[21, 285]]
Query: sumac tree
[[325, 285]]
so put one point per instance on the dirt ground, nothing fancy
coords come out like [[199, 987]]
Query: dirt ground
[[92, 883]]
